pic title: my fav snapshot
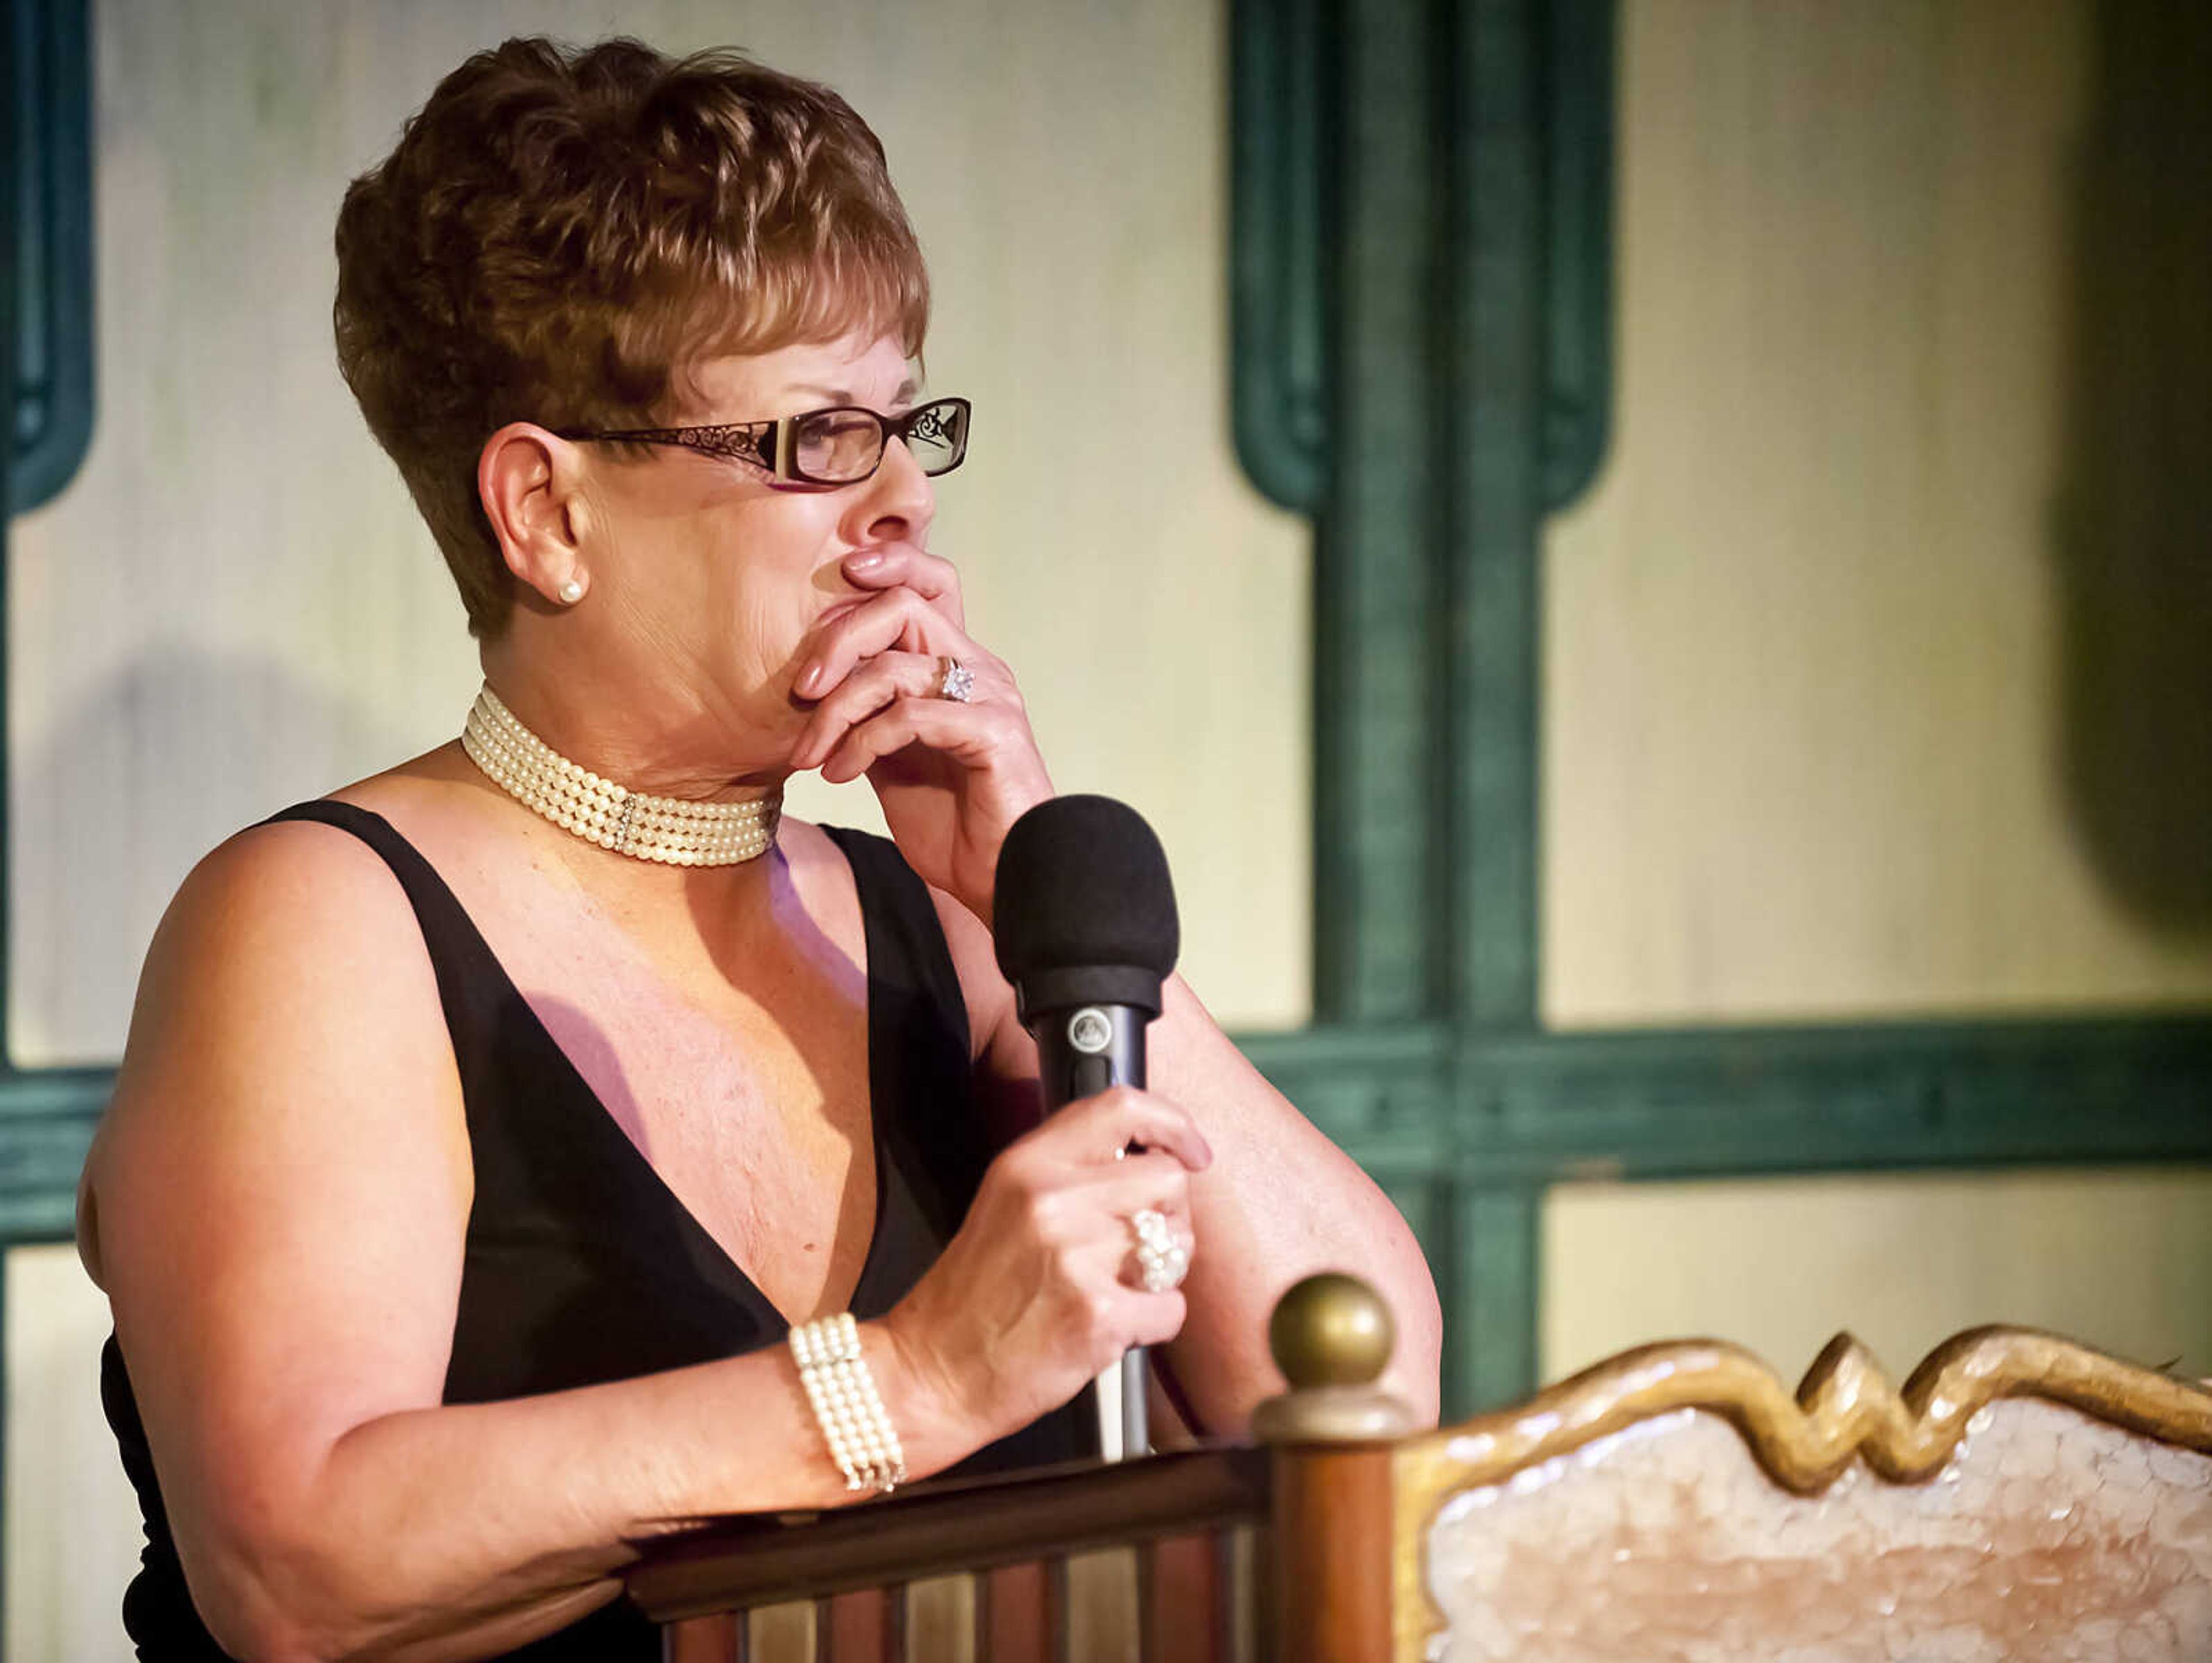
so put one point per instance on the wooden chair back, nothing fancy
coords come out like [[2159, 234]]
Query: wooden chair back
[[1160, 1559], [2020, 1497]]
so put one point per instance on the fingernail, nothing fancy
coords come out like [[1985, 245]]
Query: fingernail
[[868, 560], [810, 679]]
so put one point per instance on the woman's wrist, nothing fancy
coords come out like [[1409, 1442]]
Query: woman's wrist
[[928, 1409]]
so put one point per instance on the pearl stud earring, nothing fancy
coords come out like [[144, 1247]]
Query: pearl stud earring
[[572, 592]]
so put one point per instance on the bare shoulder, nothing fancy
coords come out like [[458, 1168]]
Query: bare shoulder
[[275, 914], [279, 1194], [286, 994]]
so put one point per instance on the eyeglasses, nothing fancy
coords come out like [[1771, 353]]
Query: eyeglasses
[[841, 445]]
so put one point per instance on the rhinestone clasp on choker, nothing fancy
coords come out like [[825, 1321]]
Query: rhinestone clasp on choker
[[668, 829]]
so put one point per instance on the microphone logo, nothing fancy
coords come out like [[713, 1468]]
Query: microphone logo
[[1088, 1031]]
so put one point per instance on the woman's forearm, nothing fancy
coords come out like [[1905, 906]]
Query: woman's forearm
[[459, 1531], [1279, 1203]]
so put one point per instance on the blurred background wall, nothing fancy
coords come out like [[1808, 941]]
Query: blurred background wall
[[1849, 656], [1877, 663]]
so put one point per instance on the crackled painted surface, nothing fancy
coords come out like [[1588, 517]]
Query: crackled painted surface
[[2049, 1536]]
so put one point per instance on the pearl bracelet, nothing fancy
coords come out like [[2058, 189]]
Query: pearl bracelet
[[853, 1422]]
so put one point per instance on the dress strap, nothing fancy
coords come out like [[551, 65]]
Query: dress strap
[[469, 976], [921, 1077]]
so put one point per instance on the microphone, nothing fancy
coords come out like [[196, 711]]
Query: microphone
[[1084, 925], [1084, 921]]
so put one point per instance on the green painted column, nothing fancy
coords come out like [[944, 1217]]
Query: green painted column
[[1380, 728]]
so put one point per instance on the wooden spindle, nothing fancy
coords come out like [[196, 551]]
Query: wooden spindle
[[1184, 1601], [1019, 1614], [717, 1639], [1331, 1336], [860, 1627]]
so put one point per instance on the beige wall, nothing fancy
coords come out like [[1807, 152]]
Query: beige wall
[[1818, 738], [2122, 1259], [232, 607], [72, 1523], [1822, 736]]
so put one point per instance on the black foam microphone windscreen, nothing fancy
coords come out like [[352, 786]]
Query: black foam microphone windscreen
[[1084, 912]]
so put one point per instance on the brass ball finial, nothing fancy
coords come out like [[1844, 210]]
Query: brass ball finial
[[1331, 1330]]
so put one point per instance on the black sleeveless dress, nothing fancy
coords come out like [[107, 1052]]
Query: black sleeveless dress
[[582, 1265]]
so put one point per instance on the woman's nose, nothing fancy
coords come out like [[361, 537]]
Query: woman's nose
[[898, 502]]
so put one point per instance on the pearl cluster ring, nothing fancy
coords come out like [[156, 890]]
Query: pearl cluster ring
[[1162, 1261], [854, 1424]]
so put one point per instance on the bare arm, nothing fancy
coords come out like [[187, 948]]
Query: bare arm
[[283, 1188], [1279, 1202]]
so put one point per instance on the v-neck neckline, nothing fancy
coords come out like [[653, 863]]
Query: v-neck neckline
[[721, 1258]]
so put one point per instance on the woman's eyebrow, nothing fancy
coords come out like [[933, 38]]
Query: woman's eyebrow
[[906, 390]]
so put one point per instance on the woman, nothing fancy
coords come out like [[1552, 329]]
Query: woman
[[485, 1128]]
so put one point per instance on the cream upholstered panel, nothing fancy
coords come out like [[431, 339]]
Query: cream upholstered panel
[[1874, 680], [2049, 1536], [233, 606]]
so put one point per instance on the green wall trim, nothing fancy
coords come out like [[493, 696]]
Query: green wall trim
[[1493, 511], [1380, 594], [46, 1122], [1466, 1131], [1279, 394], [1286, 123], [1579, 98], [1537, 1109], [1491, 1258], [48, 81], [1421, 210]]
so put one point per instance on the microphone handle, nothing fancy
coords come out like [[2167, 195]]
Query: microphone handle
[[1082, 1052]]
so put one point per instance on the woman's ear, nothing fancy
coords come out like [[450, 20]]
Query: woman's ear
[[531, 483]]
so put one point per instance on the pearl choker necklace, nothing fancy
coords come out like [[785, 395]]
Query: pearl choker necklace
[[664, 828]]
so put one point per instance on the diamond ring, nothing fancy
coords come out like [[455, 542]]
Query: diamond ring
[[956, 682], [1162, 1261]]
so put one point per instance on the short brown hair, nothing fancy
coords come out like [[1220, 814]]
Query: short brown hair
[[558, 230]]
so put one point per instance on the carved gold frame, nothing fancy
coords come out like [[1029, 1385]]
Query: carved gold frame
[[1845, 1409]]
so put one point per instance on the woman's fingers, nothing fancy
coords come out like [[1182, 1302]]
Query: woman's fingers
[[1154, 1319], [890, 565], [1154, 1179], [1098, 1129], [967, 731], [1043, 1285], [869, 688], [897, 620], [1137, 1117]]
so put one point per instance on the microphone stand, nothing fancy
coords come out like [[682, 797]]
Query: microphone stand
[[1123, 1431]]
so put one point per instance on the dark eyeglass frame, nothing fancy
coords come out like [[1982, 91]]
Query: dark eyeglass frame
[[773, 445]]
